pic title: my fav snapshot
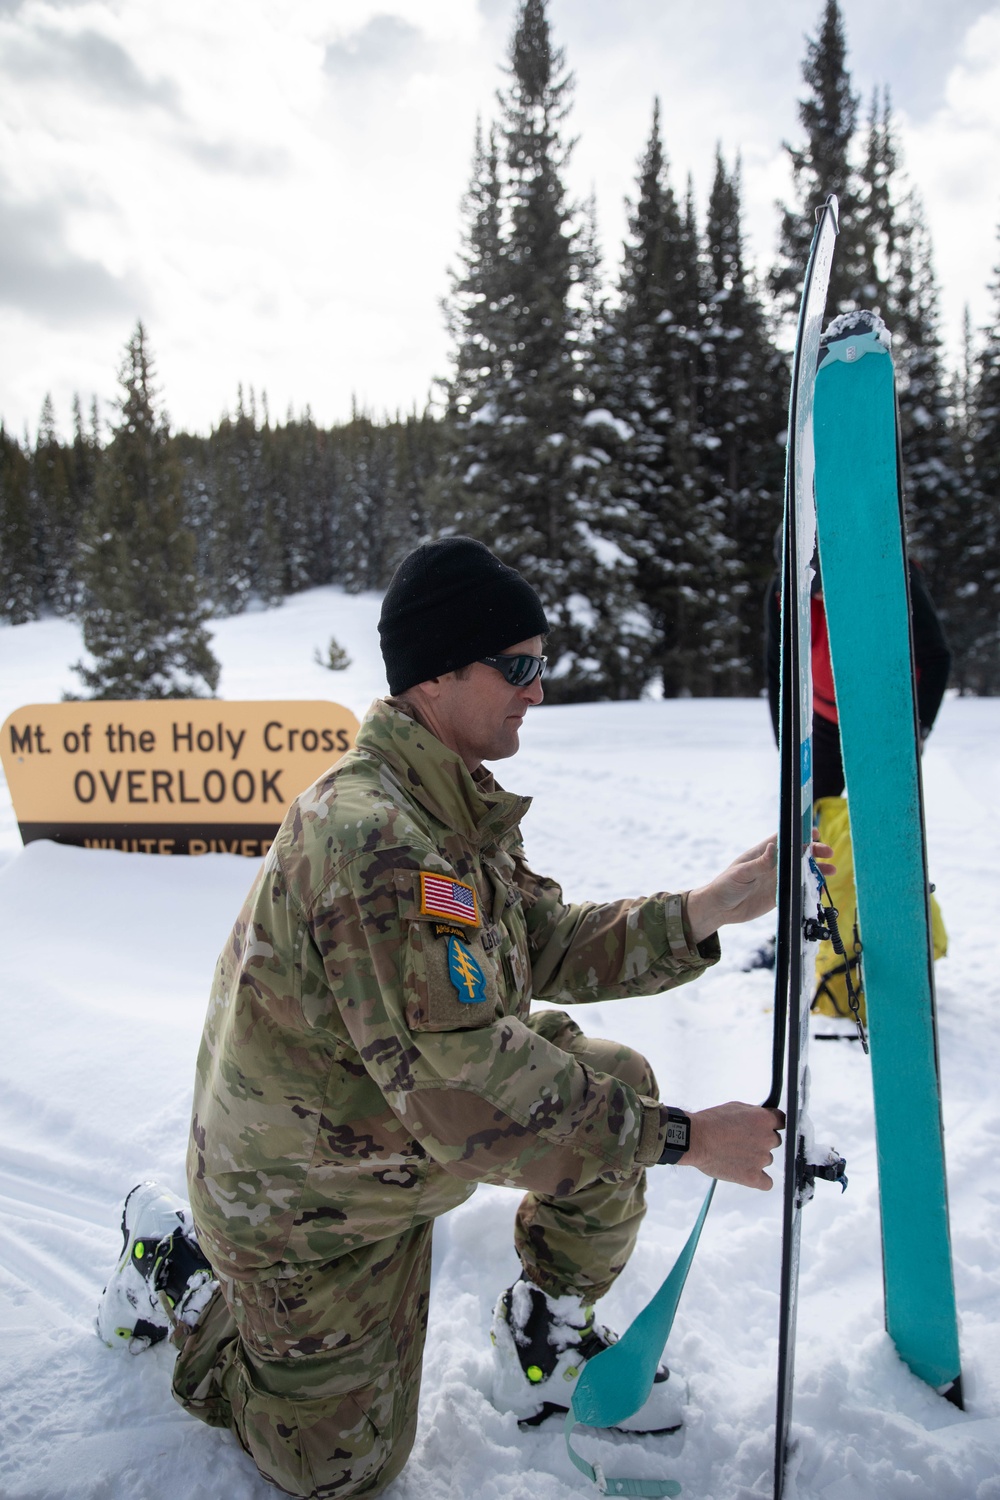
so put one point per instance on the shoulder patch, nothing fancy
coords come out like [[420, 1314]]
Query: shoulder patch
[[440, 896], [466, 975], [452, 929]]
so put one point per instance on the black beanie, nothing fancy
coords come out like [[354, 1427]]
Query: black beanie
[[449, 603]]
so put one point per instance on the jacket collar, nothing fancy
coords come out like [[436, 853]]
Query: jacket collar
[[436, 777]]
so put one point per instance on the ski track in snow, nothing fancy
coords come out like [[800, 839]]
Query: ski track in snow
[[104, 972]]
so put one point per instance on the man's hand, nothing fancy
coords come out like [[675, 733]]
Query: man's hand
[[746, 890], [735, 1142]]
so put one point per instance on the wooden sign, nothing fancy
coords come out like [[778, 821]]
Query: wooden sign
[[178, 776]]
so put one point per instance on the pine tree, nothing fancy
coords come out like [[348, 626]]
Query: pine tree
[[744, 417], [621, 642], [418, 444], [142, 617], [81, 467], [299, 479], [963, 387], [55, 516], [475, 315], [532, 518], [876, 212], [240, 540], [590, 293], [936, 503], [980, 669], [823, 165], [519, 454], [366, 488], [20, 591], [659, 507], [963, 408]]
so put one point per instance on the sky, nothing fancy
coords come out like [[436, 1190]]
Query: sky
[[273, 186]]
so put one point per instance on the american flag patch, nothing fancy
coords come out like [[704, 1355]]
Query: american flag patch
[[441, 897]]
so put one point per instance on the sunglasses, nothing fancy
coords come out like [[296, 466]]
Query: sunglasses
[[518, 670]]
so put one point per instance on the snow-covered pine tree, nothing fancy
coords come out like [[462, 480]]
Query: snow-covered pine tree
[[20, 591], [374, 519], [540, 459], [821, 166], [55, 515], [981, 671], [143, 619], [621, 640], [938, 509], [299, 479], [962, 391], [657, 505], [82, 460], [475, 314], [963, 395], [744, 415], [519, 455], [418, 441], [876, 213], [238, 539]]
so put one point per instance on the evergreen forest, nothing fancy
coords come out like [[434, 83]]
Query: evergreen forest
[[616, 432]]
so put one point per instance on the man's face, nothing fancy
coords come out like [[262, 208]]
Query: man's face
[[479, 714]]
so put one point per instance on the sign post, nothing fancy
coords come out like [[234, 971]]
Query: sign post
[[167, 776]]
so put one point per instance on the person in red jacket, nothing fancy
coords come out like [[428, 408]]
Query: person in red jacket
[[932, 659]]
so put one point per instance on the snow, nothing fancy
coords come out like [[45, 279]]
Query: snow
[[601, 417], [581, 611], [607, 552], [856, 322], [105, 967]]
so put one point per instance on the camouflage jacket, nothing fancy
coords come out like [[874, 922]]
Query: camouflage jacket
[[367, 1056]]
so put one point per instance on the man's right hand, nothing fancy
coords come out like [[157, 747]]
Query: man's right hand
[[735, 1142]]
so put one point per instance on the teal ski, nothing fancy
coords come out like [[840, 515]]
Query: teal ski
[[862, 551]]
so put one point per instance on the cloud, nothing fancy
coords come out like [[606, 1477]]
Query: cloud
[[88, 58], [952, 156], [40, 275], [497, 10], [909, 47], [12, 7], [380, 45], [237, 158]]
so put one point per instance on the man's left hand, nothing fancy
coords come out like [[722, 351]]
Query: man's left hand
[[747, 889]]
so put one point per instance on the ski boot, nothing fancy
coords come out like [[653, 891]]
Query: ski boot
[[540, 1345], [162, 1282]]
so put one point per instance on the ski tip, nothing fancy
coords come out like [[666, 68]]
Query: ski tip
[[852, 335], [831, 206]]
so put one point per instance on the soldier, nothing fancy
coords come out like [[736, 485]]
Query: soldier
[[369, 1057]]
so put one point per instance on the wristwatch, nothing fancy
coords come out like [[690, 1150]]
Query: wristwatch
[[678, 1137]]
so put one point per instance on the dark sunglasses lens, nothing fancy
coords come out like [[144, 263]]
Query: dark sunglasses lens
[[522, 670]]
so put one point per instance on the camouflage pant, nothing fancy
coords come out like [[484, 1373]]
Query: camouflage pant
[[316, 1368], [580, 1243]]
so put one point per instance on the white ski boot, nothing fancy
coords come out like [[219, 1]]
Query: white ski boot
[[162, 1280], [540, 1345]]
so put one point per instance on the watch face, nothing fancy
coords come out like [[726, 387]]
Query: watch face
[[678, 1132]]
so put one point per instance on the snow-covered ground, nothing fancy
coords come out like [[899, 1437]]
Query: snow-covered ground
[[104, 967]]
